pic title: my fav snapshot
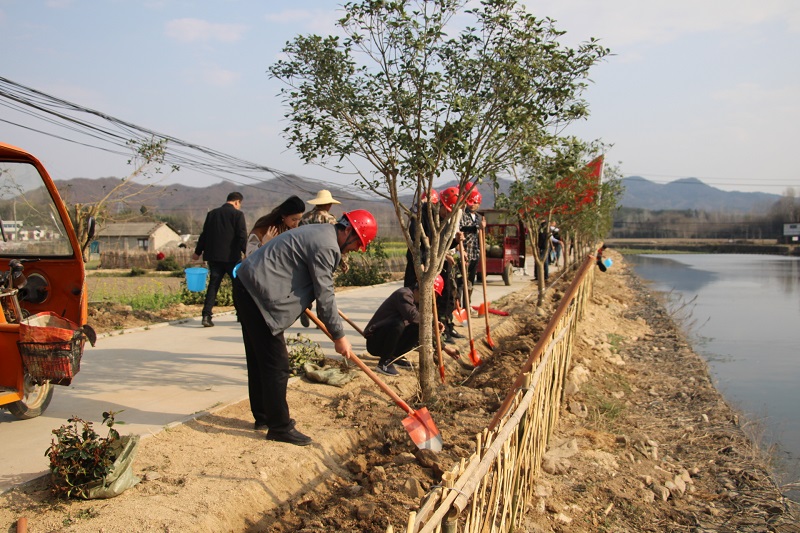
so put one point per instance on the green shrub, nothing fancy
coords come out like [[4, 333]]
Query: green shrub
[[367, 268], [137, 271], [303, 350], [224, 295], [79, 455], [168, 264]]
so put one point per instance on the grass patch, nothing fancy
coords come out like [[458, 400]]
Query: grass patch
[[152, 302], [615, 340], [150, 294], [603, 411]]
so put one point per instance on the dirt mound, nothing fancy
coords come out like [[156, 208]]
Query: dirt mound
[[645, 443]]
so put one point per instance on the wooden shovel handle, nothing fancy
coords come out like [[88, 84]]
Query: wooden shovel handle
[[358, 329], [466, 289], [482, 233], [374, 377]]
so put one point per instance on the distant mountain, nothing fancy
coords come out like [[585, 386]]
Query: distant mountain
[[693, 194], [194, 202]]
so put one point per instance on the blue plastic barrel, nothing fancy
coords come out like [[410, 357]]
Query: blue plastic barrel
[[196, 278]]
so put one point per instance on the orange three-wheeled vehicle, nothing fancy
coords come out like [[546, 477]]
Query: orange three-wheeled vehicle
[[41, 270]]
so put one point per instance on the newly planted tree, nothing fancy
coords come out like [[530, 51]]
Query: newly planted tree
[[403, 104], [568, 185]]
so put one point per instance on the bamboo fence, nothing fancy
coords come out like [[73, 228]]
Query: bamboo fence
[[490, 490]]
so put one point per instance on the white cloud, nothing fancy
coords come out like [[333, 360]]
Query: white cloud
[[220, 77], [621, 23], [317, 21], [192, 30]]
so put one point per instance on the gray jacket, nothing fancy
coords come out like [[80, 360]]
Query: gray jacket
[[292, 270]]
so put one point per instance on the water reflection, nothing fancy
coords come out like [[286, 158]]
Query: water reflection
[[748, 309]]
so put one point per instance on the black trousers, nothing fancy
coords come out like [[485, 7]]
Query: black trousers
[[446, 303], [267, 364], [393, 340], [216, 271], [410, 277]]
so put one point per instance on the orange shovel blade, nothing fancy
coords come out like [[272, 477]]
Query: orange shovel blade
[[489, 342], [460, 316], [422, 430], [474, 358]]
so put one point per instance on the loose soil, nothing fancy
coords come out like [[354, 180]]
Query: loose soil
[[653, 446]]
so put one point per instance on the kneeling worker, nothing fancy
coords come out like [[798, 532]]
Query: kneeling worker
[[394, 328]]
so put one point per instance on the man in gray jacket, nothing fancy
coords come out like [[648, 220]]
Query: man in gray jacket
[[273, 286]]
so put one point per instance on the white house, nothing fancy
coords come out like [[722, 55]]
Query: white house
[[137, 236]]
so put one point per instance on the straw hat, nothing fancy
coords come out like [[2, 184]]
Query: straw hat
[[324, 197]]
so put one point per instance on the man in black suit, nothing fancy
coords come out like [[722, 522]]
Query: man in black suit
[[221, 244]]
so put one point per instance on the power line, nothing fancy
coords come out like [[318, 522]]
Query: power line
[[114, 135]]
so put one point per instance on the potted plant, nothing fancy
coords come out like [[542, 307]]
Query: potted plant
[[85, 465]]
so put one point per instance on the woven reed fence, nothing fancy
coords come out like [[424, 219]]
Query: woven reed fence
[[490, 490], [128, 259]]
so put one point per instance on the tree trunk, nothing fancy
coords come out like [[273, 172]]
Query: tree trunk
[[427, 363]]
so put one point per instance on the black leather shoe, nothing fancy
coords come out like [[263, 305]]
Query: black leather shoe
[[456, 335], [292, 436], [207, 322]]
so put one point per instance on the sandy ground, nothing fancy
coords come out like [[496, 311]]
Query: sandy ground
[[647, 445]]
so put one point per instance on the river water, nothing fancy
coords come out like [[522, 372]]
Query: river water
[[743, 316]]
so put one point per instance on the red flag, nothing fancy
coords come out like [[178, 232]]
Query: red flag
[[595, 168]]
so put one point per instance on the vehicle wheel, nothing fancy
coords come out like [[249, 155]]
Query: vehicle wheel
[[508, 273], [35, 400]]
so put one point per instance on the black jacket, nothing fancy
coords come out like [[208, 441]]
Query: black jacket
[[224, 235]]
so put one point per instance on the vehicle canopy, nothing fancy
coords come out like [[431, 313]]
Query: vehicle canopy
[[37, 239]]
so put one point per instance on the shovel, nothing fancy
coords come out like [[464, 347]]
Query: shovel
[[488, 339], [459, 314], [418, 424], [474, 358]]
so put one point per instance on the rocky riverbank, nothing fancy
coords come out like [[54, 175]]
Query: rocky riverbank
[[646, 442]]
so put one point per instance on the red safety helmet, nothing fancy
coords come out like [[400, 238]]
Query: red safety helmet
[[438, 284], [434, 197], [449, 197], [364, 225], [473, 196]]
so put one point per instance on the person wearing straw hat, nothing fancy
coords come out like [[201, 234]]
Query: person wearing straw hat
[[322, 207], [320, 215]]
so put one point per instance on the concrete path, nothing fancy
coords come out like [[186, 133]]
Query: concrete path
[[166, 374]]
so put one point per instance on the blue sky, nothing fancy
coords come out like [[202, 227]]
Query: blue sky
[[705, 89]]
